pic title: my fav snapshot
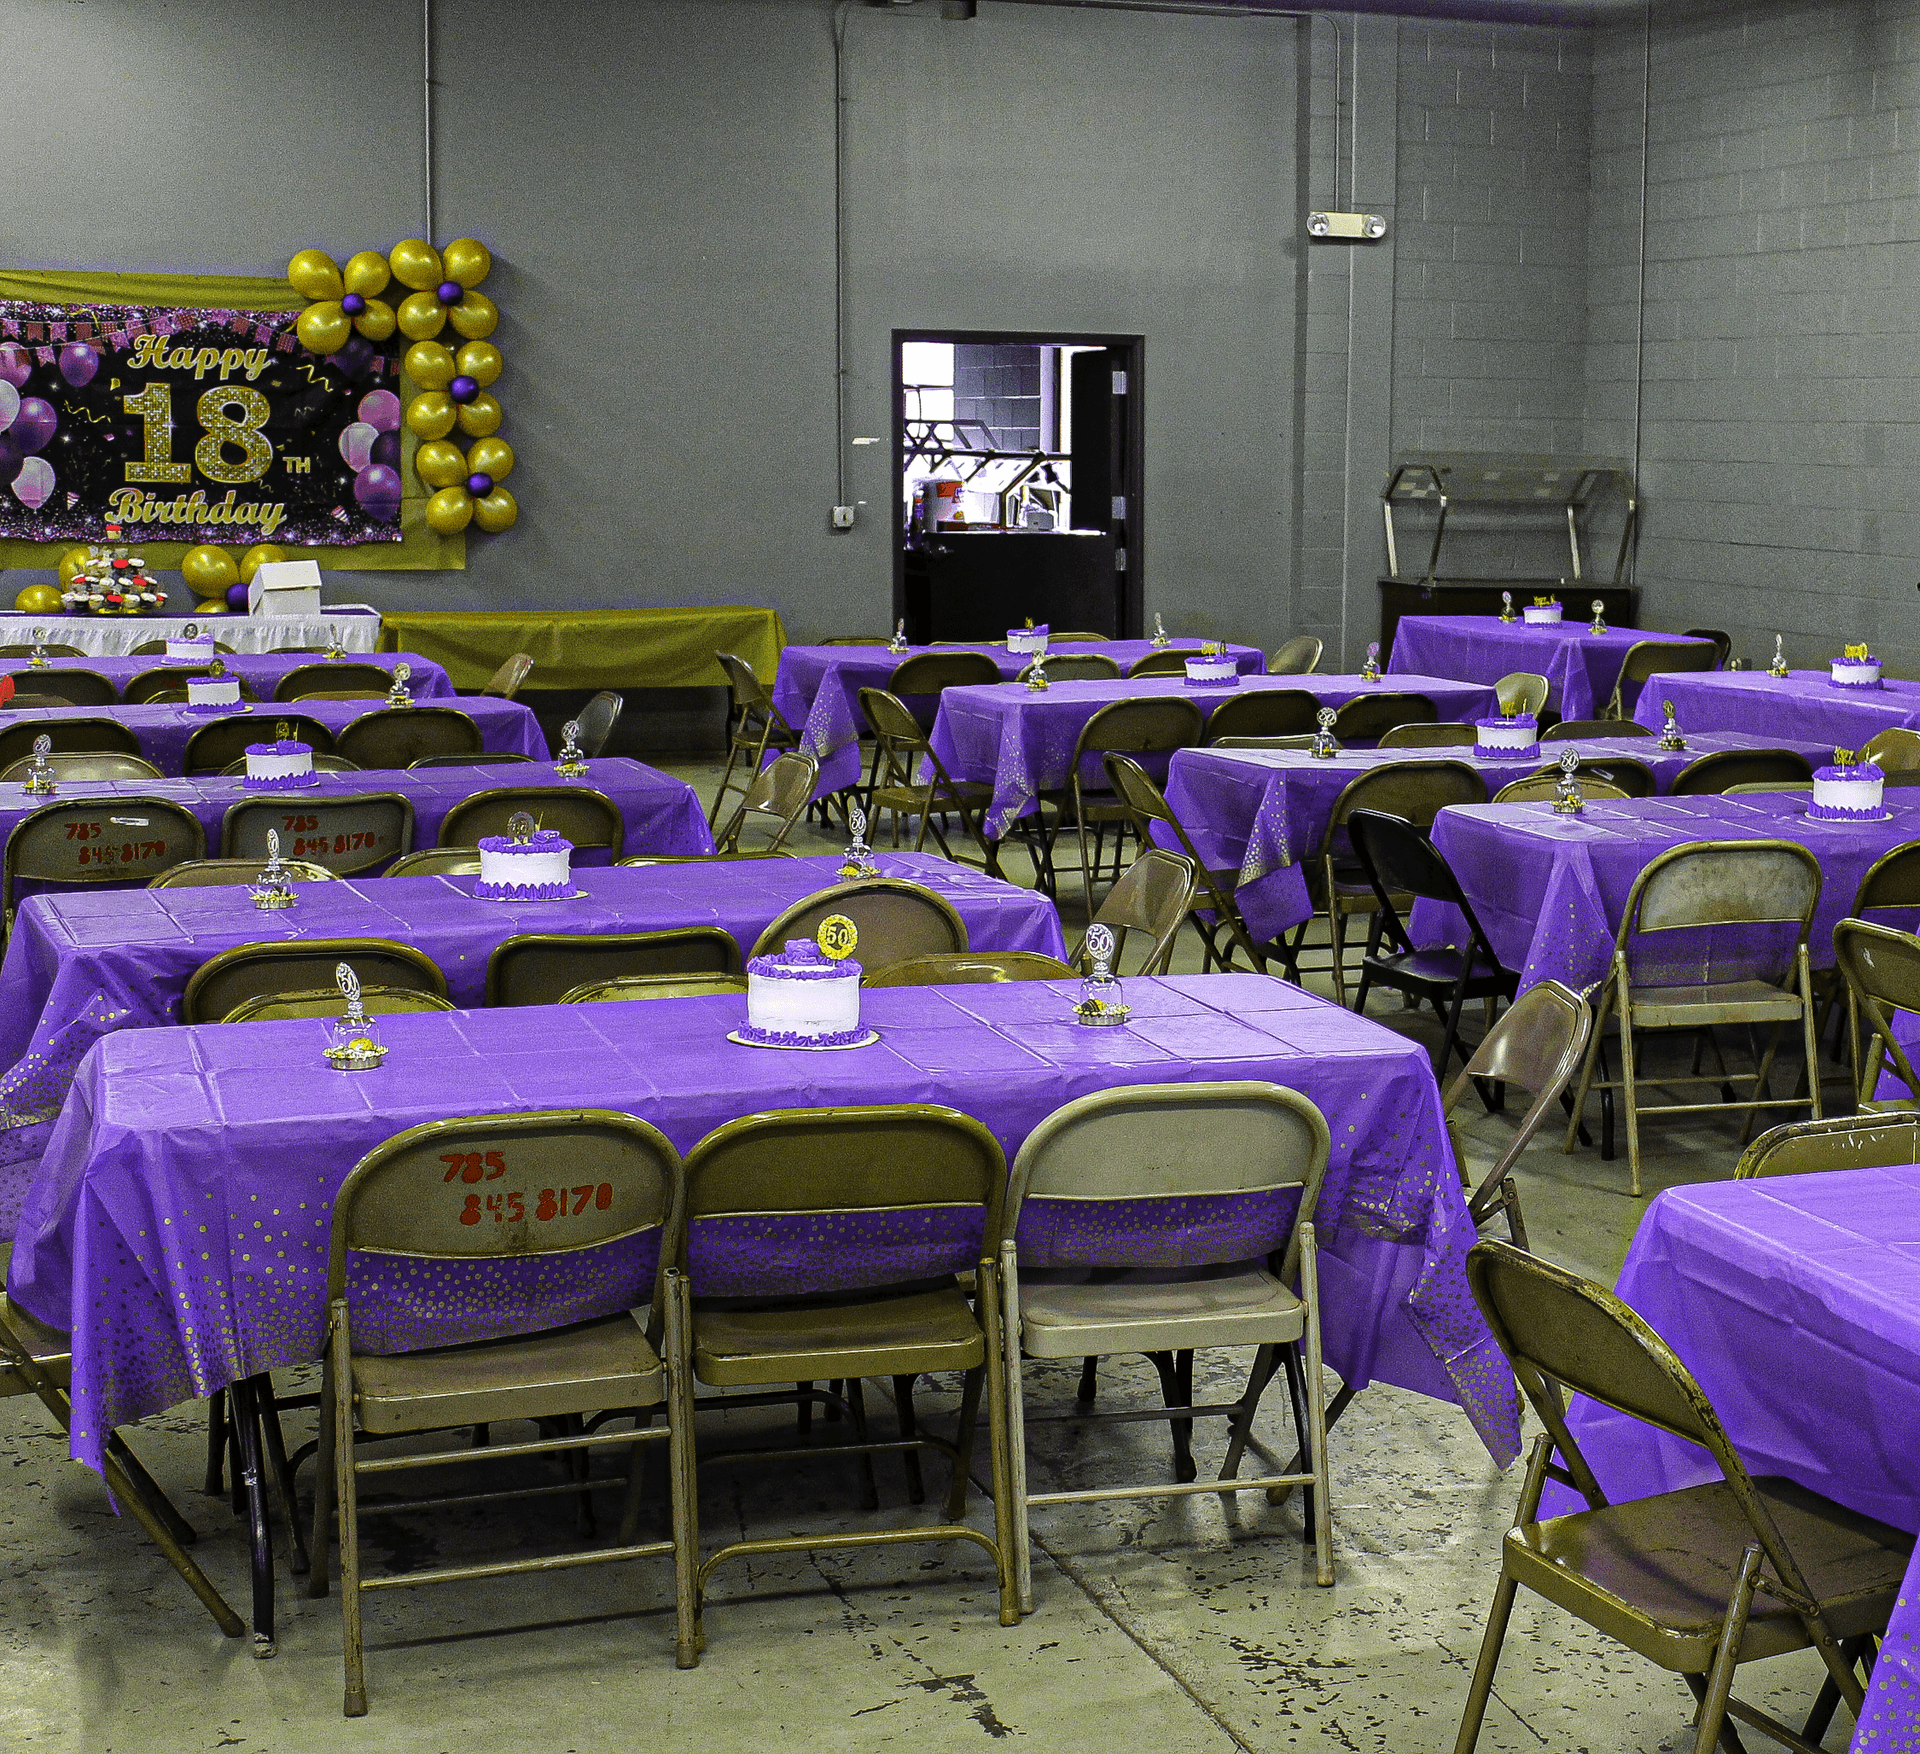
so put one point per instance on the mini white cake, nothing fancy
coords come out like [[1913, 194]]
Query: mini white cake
[[1506, 737], [279, 766], [1213, 670], [190, 651], [538, 868], [1032, 641], [1848, 792], [1539, 614], [802, 998], [213, 691], [1858, 669]]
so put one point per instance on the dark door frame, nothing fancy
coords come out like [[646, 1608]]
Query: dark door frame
[[1133, 349]]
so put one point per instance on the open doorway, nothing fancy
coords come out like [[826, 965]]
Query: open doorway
[[1017, 466]]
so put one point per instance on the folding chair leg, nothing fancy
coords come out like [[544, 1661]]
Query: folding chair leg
[[1089, 1380], [903, 1409], [246, 1424], [1317, 1408], [1629, 1071], [1168, 1365], [857, 1413], [1303, 1435], [323, 1493], [970, 1390], [1482, 1689], [682, 1492], [1013, 1392], [276, 1455], [1719, 1683], [216, 1443], [128, 1492], [1337, 933], [1266, 1360]]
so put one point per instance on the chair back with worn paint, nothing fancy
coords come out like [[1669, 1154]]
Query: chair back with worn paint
[[1881, 967], [87, 766], [1073, 667], [587, 818], [1715, 911], [1154, 895], [436, 862], [1368, 717], [1162, 663], [346, 834], [18, 738], [1869, 1141], [331, 1002], [1894, 750], [1569, 729], [895, 919], [1660, 657], [399, 736], [1416, 791], [541, 968], [1300, 656], [218, 873], [930, 672], [303, 965], [98, 840], [655, 986], [1263, 712]]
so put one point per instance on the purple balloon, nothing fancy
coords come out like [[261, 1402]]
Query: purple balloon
[[463, 389], [78, 363], [34, 424], [352, 303], [479, 485], [236, 596], [377, 488], [386, 449], [13, 456], [354, 358], [449, 292], [16, 363]]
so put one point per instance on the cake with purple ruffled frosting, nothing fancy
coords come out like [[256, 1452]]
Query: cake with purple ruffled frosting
[[1849, 791], [1213, 666], [284, 765], [1856, 668], [1506, 738], [533, 867], [803, 998]]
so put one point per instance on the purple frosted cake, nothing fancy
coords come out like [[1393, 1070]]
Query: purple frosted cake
[[1858, 668], [284, 765], [1516, 738], [537, 868], [803, 998], [1213, 667], [1849, 791]]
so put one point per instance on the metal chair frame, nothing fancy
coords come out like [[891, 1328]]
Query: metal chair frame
[[924, 913], [968, 968], [1263, 712], [1132, 905], [1648, 658], [488, 812], [84, 766], [780, 790], [1370, 716], [304, 679], [1299, 656], [108, 736], [754, 725], [371, 739], [510, 678], [75, 687], [521, 969], [1151, 724], [899, 743], [298, 965], [1886, 1138], [216, 745]]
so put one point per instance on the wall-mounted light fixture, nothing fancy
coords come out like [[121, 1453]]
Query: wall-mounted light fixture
[[1346, 228]]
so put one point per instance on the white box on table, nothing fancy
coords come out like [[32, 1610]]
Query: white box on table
[[285, 587]]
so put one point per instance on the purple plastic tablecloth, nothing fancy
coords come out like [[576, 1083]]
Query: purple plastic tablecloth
[[1803, 705], [80, 966], [817, 689], [506, 727], [1258, 811], [662, 814], [1581, 668], [1021, 743], [262, 670], [1795, 1300], [1550, 890], [178, 1226]]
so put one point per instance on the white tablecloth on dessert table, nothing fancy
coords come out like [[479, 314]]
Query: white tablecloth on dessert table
[[357, 629]]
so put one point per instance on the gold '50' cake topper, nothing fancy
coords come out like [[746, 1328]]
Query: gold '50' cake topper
[[838, 937]]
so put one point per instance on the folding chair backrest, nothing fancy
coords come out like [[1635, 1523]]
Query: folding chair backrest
[[1153, 896], [1073, 667], [254, 971], [1402, 858], [1447, 734], [1722, 643], [970, 968], [169, 687], [1662, 657], [218, 873], [1569, 729], [1416, 791], [776, 796], [52, 651], [1545, 786], [1298, 741], [217, 745], [1715, 911], [507, 681], [1712, 774], [893, 918], [1870, 1141], [436, 862], [1880, 964], [892, 721], [586, 817], [1364, 718], [1538, 1040], [306, 679], [80, 687], [930, 672], [656, 986], [1171, 662], [19, 735], [597, 718], [1521, 692], [447, 1234], [331, 1002], [346, 834], [1894, 750], [99, 840], [748, 691], [1263, 712], [1300, 656], [399, 736], [1151, 725], [1168, 1176], [1624, 773], [803, 1201], [1893, 880], [541, 968], [80, 767]]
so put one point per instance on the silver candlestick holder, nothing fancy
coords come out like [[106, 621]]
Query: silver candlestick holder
[[41, 781], [1370, 670], [1323, 744], [1572, 801], [270, 890], [1161, 638], [356, 1045], [898, 643], [571, 763], [1037, 679], [1506, 607], [335, 653], [1599, 616], [1670, 738], [398, 694], [1100, 1004], [857, 861], [1778, 668]]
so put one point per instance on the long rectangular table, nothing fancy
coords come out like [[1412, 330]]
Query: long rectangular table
[[1581, 668], [592, 648], [1804, 704], [1550, 890], [1021, 742], [178, 1226], [506, 727], [818, 688], [1795, 1300], [262, 671], [356, 627], [80, 966], [1262, 812]]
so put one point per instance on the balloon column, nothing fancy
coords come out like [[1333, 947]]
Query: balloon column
[[450, 362]]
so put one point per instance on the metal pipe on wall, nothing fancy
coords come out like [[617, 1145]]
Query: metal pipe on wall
[[426, 109]]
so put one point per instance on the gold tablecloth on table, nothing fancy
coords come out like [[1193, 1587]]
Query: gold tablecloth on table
[[591, 648]]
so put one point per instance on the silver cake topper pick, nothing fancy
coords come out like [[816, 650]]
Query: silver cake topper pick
[[40, 780], [899, 641], [42, 747], [571, 761], [273, 846], [350, 990], [1370, 670], [191, 630], [1670, 737], [1779, 665], [1323, 744], [397, 695], [522, 827], [1100, 951], [858, 859], [1571, 801]]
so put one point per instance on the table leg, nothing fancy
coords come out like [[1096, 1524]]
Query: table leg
[[244, 1414]]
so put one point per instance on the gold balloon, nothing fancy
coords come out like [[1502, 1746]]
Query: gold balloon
[[474, 316], [377, 320], [480, 416], [323, 328], [496, 512], [430, 415], [416, 263], [440, 464], [70, 564], [366, 273], [429, 365], [260, 551], [314, 275], [422, 316], [466, 260], [209, 570], [40, 600], [481, 361], [491, 456], [450, 510], [212, 606]]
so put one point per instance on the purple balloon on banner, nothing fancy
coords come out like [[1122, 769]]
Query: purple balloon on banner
[[380, 409], [356, 445], [12, 455], [378, 490], [386, 449], [354, 358], [78, 363], [16, 363], [34, 483], [35, 423], [9, 404]]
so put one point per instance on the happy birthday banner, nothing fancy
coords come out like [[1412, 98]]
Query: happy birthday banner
[[192, 425]]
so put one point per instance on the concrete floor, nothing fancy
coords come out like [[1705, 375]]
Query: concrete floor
[[1181, 1627]]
